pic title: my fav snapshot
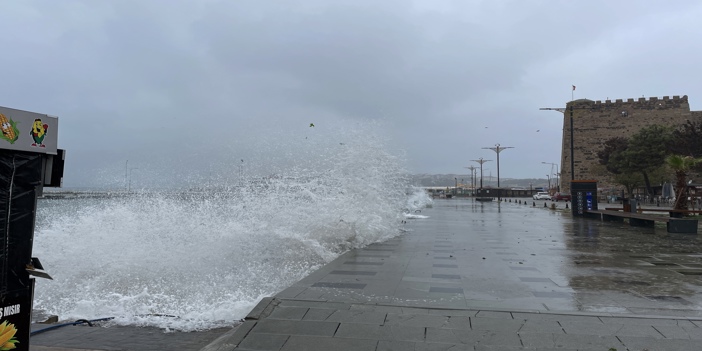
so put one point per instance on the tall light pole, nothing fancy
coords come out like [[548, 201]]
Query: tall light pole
[[455, 188], [472, 178], [549, 183], [481, 161], [557, 174], [497, 148], [572, 151]]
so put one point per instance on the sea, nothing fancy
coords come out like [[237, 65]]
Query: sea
[[197, 258]]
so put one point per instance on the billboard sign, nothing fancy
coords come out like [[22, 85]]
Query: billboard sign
[[28, 131]]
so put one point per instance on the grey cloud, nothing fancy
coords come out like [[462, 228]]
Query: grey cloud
[[129, 76]]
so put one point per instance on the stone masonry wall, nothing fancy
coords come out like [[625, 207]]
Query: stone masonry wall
[[595, 122]]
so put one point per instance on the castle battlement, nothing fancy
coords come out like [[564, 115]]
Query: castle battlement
[[595, 122], [651, 103]]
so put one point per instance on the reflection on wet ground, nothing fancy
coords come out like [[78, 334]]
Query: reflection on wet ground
[[570, 264]]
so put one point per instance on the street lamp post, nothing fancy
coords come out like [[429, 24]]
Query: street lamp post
[[549, 183], [497, 148], [481, 161], [455, 188], [557, 174], [572, 143], [472, 177]]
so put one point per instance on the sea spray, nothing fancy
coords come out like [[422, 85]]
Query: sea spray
[[201, 257]]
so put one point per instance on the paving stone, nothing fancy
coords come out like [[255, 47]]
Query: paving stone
[[357, 316], [377, 308], [499, 325], [653, 344], [263, 342], [454, 313], [552, 294], [316, 304], [535, 280], [675, 332], [446, 276], [339, 285], [555, 317], [294, 313], [368, 273], [494, 314], [438, 335], [486, 337], [610, 329], [416, 320], [395, 345], [441, 347], [539, 341], [272, 326], [445, 290], [541, 326], [317, 314], [380, 332], [647, 321], [312, 343]]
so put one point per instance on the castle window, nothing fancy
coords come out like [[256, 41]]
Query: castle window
[[625, 113]]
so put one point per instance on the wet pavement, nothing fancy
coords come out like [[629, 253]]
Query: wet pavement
[[485, 276]]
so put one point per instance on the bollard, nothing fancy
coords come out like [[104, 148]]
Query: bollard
[[566, 205], [525, 203], [510, 200], [534, 203], [553, 206], [545, 205]]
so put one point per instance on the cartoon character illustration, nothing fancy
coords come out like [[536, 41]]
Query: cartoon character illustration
[[38, 132], [9, 129], [7, 336]]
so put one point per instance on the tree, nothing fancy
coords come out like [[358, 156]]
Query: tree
[[681, 165], [611, 155], [630, 181], [647, 151], [687, 140], [613, 158]]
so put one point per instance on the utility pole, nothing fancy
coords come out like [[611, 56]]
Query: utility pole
[[497, 148], [572, 144], [481, 161], [557, 174], [472, 178]]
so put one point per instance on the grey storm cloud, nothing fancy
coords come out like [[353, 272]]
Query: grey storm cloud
[[153, 80]]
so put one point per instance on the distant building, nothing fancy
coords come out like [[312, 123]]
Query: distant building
[[595, 122]]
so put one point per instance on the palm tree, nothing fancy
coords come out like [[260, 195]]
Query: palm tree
[[681, 165]]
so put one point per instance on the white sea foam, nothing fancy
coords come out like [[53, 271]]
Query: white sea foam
[[189, 260]]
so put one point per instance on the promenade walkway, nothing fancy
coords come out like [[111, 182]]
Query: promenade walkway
[[483, 276]]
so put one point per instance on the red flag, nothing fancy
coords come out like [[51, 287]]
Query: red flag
[[573, 87]]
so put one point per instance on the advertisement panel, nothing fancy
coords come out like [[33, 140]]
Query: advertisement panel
[[15, 309], [28, 131]]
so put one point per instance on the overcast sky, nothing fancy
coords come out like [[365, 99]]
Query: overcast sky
[[141, 80]]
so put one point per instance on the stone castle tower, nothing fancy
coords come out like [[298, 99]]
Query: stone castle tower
[[595, 122]]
